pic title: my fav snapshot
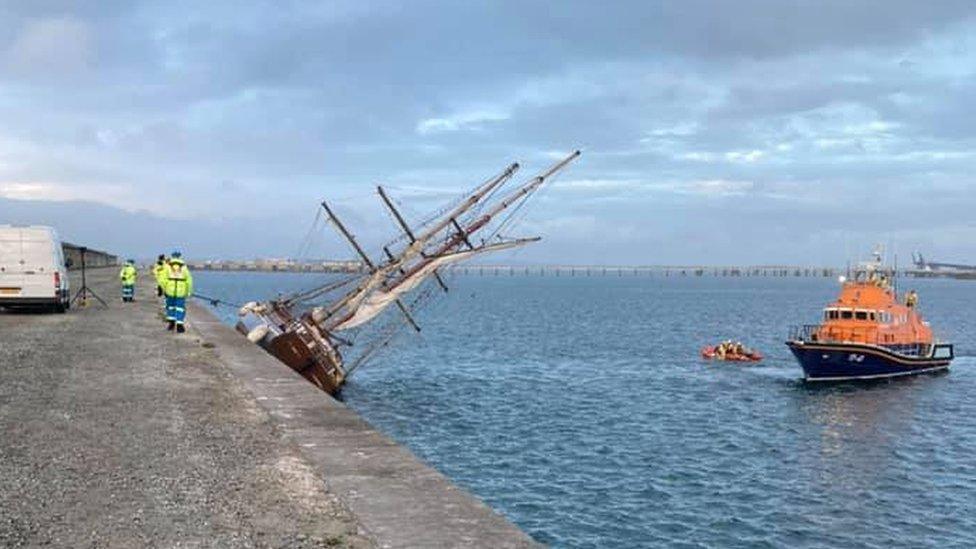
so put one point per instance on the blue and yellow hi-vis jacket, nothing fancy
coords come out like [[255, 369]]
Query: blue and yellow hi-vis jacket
[[128, 275], [176, 279]]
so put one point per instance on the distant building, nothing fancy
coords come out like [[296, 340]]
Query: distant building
[[280, 265]]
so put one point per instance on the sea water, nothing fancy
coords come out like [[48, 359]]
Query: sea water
[[579, 408]]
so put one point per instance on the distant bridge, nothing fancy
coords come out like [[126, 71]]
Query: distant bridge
[[782, 271], [683, 271], [645, 270]]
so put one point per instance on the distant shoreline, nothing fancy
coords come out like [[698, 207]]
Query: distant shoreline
[[781, 271]]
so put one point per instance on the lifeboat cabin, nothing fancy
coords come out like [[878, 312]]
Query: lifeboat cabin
[[867, 333]]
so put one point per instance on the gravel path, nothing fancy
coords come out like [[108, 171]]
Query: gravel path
[[117, 433]]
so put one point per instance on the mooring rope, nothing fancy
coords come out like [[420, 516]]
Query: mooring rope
[[215, 302]]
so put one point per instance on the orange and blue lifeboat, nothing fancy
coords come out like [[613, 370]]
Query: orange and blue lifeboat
[[866, 333]]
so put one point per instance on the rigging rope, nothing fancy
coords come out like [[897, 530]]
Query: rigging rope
[[215, 301], [393, 328], [452, 204], [513, 219], [312, 293], [306, 243]]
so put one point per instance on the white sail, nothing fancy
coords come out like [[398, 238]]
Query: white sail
[[356, 298], [379, 300]]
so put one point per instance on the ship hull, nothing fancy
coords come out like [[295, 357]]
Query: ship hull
[[298, 345], [847, 361], [295, 353]]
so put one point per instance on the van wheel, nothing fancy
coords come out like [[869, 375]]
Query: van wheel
[[60, 308]]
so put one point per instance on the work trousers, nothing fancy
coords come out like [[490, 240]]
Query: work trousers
[[128, 291], [176, 309]]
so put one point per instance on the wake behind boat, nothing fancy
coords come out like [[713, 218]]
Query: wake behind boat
[[308, 331], [866, 333]]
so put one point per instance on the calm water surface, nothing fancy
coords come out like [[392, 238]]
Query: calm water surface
[[578, 408]]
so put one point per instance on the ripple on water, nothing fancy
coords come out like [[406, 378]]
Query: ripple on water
[[578, 408]]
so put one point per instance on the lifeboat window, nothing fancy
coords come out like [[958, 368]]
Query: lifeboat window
[[861, 315], [847, 315], [872, 316]]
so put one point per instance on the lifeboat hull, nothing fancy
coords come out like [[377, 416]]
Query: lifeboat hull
[[851, 361]]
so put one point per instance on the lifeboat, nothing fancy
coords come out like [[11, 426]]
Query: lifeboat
[[867, 333], [711, 352]]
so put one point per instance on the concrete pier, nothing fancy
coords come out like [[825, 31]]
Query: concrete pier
[[117, 433]]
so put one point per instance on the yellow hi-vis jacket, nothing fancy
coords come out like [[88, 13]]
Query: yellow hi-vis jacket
[[128, 275], [159, 269], [177, 280]]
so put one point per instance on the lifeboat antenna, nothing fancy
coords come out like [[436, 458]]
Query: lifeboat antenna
[[894, 277]]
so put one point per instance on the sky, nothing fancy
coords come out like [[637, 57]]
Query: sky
[[747, 132]]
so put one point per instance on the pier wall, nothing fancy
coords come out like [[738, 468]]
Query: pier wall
[[117, 433], [93, 258], [399, 499]]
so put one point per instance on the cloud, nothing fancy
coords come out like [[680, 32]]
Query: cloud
[[225, 111], [466, 121], [61, 192], [721, 187], [598, 185], [61, 44]]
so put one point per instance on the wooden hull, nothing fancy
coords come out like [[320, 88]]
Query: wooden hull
[[299, 344], [323, 372]]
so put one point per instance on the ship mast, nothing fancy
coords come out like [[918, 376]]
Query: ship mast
[[366, 260], [456, 239], [406, 229], [379, 275], [462, 235]]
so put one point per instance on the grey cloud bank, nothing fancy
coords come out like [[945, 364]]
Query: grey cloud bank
[[713, 132]]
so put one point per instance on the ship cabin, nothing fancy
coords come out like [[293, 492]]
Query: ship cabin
[[868, 312]]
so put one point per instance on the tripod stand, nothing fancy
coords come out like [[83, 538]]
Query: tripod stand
[[84, 293]]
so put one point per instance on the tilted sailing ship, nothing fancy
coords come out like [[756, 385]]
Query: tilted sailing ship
[[311, 339]]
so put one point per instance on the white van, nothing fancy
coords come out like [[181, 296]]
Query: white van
[[32, 268]]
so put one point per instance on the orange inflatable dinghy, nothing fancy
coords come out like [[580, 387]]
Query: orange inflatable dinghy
[[748, 355]]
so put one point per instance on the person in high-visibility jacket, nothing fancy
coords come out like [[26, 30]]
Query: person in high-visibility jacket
[[911, 300], [177, 285], [158, 269], [128, 276]]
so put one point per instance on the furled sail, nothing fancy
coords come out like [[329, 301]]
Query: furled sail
[[357, 297], [379, 300]]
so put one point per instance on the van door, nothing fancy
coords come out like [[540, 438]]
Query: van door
[[11, 277], [39, 264], [63, 269]]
